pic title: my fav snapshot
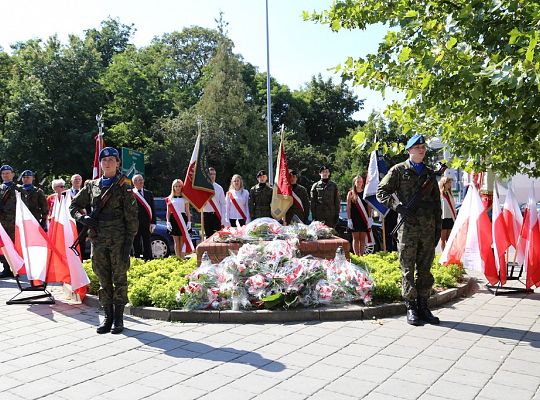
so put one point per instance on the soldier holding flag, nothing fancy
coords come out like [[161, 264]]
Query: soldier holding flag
[[7, 210]]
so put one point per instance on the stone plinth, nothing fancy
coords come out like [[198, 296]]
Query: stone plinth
[[324, 248]]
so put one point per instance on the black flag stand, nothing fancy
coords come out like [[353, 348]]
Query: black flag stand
[[45, 297], [514, 273]]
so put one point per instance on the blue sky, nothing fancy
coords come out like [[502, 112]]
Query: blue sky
[[298, 49]]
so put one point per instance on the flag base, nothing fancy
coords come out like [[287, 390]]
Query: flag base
[[514, 273], [44, 298]]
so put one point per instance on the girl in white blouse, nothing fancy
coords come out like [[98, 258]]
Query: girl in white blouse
[[181, 204], [237, 203], [448, 207]]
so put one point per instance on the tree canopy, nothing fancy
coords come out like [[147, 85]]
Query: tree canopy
[[469, 70]]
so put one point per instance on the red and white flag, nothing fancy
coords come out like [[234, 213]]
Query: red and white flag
[[7, 248], [99, 145], [471, 238], [500, 236], [529, 242], [282, 194], [31, 242], [57, 264], [78, 279], [198, 188], [513, 220]]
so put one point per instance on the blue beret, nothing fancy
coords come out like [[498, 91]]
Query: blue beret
[[109, 152], [27, 173], [416, 139], [6, 167]]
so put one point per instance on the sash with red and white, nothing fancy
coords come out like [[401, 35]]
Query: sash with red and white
[[177, 214], [370, 239], [237, 206], [214, 207], [297, 202], [140, 198], [446, 197]]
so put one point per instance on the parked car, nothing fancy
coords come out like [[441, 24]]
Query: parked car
[[344, 233]]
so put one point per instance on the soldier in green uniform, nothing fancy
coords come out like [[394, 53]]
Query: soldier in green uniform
[[300, 206], [325, 200], [420, 232], [260, 197], [34, 198], [111, 233], [8, 201]]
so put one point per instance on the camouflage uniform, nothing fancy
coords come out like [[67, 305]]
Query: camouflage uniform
[[8, 201], [325, 202], [416, 239], [302, 194], [260, 197], [35, 200], [117, 224]]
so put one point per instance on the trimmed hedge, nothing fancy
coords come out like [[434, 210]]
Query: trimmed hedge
[[156, 283]]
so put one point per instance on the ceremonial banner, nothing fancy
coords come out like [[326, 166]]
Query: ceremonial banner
[[529, 242], [198, 188], [282, 195], [377, 169]]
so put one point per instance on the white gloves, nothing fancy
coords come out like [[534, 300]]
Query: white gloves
[[169, 226], [152, 228], [349, 224], [188, 225]]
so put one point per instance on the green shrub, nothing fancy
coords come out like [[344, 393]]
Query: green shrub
[[386, 273], [153, 283]]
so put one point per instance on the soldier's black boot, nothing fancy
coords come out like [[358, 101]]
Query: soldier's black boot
[[105, 326], [423, 312], [118, 323], [412, 313], [6, 273]]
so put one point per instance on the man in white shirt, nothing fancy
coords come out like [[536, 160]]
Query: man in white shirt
[[214, 210]]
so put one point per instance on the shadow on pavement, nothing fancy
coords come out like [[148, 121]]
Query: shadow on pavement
[[180, 348]]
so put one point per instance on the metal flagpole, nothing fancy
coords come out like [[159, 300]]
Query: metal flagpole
[[268, 102], [199, 131]]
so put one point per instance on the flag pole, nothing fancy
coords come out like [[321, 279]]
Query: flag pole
[[268, 102], [383, 234]]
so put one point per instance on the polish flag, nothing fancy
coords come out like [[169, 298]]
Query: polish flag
[[529, 242], [513, 221], [7, 248], [282, 194], [501, 242], [58, 269], [471, 238], [99, 145], [77, 277], [30, 242]]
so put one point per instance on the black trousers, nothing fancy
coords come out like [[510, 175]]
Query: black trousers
[[141, 242], [212, 224]]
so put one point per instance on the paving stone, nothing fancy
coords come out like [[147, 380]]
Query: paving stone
[[431, 363], [417, 375], [496, 391], [132, 391], [254, 383], [403, 389], [370, 373], [350, 386], [324, 371], [327, 395], [276, 393], [208, 381], [227, 392], [385, 361], [453, 390], [477, 364], [467, 377], [514, 379], [302, 384]]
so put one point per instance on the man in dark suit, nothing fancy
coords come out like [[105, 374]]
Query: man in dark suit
[[147, 218]]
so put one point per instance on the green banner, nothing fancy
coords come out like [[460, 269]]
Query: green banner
[[132, 162]]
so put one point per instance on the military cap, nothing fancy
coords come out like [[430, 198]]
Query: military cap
[[416, 139], [261, 173], [323, 167], [6, 167], [109, 152], [293, 172], [27, 172]]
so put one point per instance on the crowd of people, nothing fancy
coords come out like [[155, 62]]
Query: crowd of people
[[119, 218]]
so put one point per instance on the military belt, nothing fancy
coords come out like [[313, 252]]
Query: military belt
[[109, 217]]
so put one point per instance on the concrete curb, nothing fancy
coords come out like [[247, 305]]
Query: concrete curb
[[335, 313]]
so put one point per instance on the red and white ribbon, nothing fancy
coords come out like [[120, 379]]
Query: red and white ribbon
[[297, 201], [177, 214], [364, 215], [140, 198], [214, 207], [237, 206]]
